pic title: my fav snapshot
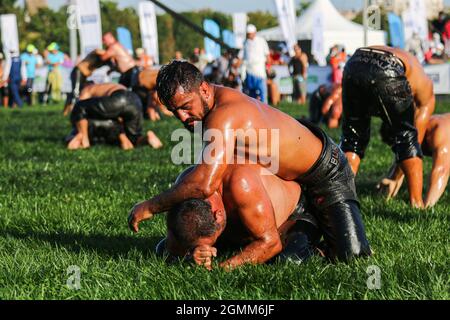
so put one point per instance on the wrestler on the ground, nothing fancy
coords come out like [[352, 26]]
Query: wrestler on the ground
[[110, 101], [325, 105], [252, 208], [301, 153], [146, 90], [124, 61], [79, 75], [391, 84], [436, 144]]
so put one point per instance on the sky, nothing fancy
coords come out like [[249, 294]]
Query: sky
[[227, 6]]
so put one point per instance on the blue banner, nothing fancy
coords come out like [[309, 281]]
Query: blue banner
[[396, 31], [124, 37], [229, 38], [212, 49]]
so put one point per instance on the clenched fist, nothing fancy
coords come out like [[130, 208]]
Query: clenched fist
[[140, 212]]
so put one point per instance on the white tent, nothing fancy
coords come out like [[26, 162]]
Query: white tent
[[337, 29]]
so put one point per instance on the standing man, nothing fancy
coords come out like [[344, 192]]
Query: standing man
[[30, 61], [15, 79], [391, 84], [121, 57], [298, 68], [54, 60], [255, 55]]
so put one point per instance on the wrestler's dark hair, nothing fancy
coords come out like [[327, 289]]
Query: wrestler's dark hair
[[174, 75], [191, 220]]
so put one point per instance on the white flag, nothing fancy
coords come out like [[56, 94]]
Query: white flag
[[90, 25], [415, 20], [317, 43], [10, 35], [240, 28], [286, 20], [149, 30]]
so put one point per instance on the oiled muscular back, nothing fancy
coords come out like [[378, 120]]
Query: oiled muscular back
[[100, 90], [298, 147], [91, 62], [438, 131], [147, 78]]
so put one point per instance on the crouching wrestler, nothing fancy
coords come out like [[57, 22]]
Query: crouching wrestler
[[102, 102], [436, 144], [261, 213]]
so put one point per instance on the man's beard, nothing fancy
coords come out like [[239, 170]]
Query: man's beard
[[204, 113]]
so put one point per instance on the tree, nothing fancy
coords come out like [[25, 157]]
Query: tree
[[262, 20]]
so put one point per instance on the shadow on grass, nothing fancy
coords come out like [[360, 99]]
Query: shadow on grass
[[113, 246]]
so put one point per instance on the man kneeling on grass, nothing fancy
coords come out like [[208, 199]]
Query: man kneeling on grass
[[436, 144], [115, 112], [264, 214]]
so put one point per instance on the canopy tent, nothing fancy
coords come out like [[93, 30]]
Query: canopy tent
[[337, 29]]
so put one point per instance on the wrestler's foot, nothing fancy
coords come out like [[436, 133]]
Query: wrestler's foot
[[153, 140], [85, 143], [75, 143]]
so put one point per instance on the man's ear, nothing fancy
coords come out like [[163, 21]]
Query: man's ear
[[204, 89], [219, 216]]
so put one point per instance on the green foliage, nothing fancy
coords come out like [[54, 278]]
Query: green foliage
[[60, 208], [262, 19]]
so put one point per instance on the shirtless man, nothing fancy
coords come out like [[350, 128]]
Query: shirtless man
[[146, 90], [250, 209], [437, 145], [79, 75], [303, 153], [389, 83], [110, 101], [332, 107], [121, 58]]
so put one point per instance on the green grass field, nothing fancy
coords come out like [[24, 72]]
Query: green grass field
[[60, 208]]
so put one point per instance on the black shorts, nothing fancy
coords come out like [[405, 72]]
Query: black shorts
[[129, 78], [374, 84], [121, 103], [329, 187]]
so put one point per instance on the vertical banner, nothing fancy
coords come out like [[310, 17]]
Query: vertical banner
[[239, 28], [148, 27], [212, 48], [89, 24], [396, 31], [124, 38], [229, 38], [286, 20], [9, 33], [317, 43]]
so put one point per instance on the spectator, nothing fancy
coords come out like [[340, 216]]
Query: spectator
[[15, 79], [54, 60], [203, 60], [29, 59], [298, 68], [178, 55], [3, 82], [144, 61], [255, 54], [337, 60], [195, 58], [415, 46]]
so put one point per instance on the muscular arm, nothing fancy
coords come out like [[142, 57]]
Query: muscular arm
[[202, 181], [257, 215], [106, 54]]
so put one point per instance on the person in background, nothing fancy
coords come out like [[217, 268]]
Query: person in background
[[144, 61], [178, 55], [54, 59], [30, 61], [337, 61], [3, 82], [254, 56], [298, 68], [416, 47], [15, 79], [202, 60]]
